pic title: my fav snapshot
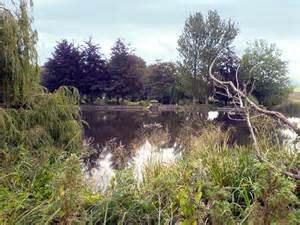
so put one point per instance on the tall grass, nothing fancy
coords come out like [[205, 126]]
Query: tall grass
[[35, 143], [213, 183], [291, 108]]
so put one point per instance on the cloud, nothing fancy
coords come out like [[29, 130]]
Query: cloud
[[153, 26]]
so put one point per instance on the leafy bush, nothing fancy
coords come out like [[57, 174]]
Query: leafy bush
[[35, 143]]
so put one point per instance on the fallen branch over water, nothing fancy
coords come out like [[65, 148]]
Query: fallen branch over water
[[241, 96]]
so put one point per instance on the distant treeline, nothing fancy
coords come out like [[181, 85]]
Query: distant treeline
[[123, 76], [260, 70]]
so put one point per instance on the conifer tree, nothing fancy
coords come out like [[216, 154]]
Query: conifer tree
[[64, 68], [94, 78], [126, 72]]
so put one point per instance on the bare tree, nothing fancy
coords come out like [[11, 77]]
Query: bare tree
[[240, 98]]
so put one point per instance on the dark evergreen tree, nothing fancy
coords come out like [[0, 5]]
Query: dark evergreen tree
[[126, 71], [64, 68], [134, 77], [94, 77]]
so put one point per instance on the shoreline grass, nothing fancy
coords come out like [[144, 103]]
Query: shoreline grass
[[213, 183]]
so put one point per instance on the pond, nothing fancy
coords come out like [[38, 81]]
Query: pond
[[126, 126], [119, 139]]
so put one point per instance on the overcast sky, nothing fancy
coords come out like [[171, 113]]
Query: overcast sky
[[153, 26]]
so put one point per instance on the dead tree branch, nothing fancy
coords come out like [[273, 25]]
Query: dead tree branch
[[274, 114], [244, 102]]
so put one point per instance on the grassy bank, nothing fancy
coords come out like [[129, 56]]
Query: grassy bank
[[290, 108], [213, 184], [41, 180], [39, 167]]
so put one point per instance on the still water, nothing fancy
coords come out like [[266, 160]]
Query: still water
[[138, 139], [124, 139], [127, 126]]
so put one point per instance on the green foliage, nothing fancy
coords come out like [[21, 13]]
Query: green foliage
[[263, 67], [126, 71], [18, 57], [275, 199], [34, 142], [213, 184], [162, 83], [201, 41], [41, 179], [68, 192]]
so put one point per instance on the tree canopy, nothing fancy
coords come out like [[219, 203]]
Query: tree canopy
[[64, 67], [126, 76], [18, 56], [93, 79], [85, 68], [200, 42], [264, 69], [161, 83], [126, 72]]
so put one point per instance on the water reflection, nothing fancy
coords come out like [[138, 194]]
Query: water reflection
[[137, 140], [290, 138], [122, 139], [100, 175], [126, 126]]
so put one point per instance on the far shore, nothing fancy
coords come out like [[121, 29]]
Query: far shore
[[136, 108]]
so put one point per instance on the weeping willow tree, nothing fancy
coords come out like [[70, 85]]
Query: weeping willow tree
[[18, 56]]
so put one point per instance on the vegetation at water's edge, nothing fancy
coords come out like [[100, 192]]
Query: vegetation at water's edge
[[289, 108], [295, 96], [41, 180], [38, 162]]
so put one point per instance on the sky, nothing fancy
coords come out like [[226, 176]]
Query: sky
[[154, 26]]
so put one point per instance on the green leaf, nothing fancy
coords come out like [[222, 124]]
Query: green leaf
[[198, 197]]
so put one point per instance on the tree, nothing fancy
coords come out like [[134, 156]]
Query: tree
[[161, 82], [201, 41], [227, 69], [134, 76], [126, 71], [64, 68], [18, 56], [94, 75], [264, 69], [248, 106]]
